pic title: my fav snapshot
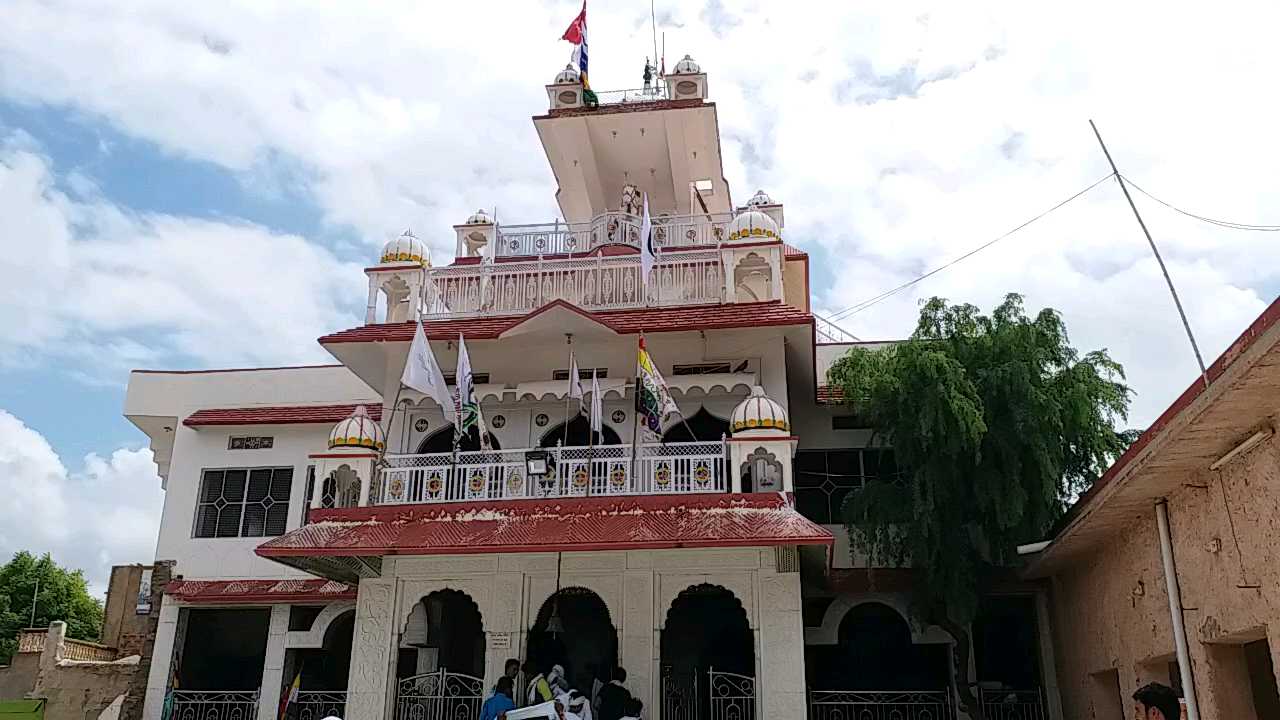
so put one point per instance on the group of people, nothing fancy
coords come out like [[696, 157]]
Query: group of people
[[608, 701]]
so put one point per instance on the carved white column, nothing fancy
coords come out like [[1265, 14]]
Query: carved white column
[[780, 684], [371, 310], [368, 684], [273, 664], [638, 634]]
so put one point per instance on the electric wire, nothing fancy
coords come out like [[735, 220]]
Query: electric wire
[[1212, 221], [859, 307]]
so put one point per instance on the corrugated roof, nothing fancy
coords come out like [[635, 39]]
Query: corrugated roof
[[277, 415], [574, 524], [651, 320], [257, 591]]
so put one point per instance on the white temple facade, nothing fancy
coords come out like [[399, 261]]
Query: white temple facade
[[326, 526]]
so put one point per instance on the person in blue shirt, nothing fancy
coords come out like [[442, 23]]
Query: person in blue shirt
[[496, 707]]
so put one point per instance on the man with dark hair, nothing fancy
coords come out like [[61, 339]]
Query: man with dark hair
[[634, 708], [1157, 702], [614, 696], [497, 706]]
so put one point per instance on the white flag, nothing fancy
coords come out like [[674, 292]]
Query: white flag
[[575, 381], [422, 373], [469, 414], [646, 246], [596, 407]]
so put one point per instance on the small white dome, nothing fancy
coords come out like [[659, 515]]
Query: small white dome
[[687, 67], [357, 431], [759, 412], [406, 248], [760, 198], [566, 76], [753, 225], [479, 217]]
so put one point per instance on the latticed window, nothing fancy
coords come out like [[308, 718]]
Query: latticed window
[[824, 478], [242, 502]]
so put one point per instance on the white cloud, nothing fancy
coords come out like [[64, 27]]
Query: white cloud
[[107, 513], [898, 135], [89, 279]]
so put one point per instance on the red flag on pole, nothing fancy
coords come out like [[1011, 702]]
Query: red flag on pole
[[578, 28]]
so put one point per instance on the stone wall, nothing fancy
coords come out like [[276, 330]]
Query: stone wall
[[19, 676], [122, 627], [78, 689], [162, 572], [1111, 610]]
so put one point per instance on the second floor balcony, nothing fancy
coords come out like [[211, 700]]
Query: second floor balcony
[[611, 228]]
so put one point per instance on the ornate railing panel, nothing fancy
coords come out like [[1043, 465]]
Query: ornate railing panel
[[611, 228], [439, 695], [732, 696], [598, 283], [879, 705], [32, 640], [657, 91], [214, 705], [680, 696], [318, 704], [692, 467], [1012, 704], [84, 650]]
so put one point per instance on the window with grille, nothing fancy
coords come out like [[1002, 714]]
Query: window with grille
[[307, 494], [583, 373], [477, 378], [243, 502], [250, 442], [823, 478], [702, 368]]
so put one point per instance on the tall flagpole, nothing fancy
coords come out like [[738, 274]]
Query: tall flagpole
[[568, 394], [635, 416]]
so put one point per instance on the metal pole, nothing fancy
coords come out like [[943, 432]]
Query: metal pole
[[1175, 610], [34, 596], [1204, 375]]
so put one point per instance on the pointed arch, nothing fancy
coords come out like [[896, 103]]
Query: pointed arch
[[441, 441], [579, 434], [702, 426]]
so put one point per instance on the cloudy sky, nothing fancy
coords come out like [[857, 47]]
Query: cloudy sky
[[198, 185]]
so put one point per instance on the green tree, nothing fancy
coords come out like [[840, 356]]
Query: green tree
[[63, 595], [997, 423]]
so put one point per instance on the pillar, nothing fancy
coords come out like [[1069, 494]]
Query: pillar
[[638, 627], [780, 684], [273, 665], [161, 657], [368, 685], [1048, 657]]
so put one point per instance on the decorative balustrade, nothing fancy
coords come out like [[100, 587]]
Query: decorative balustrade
[[671, 468], [599, 283], [656, 91], [1012, 704], [32, 640], [880, 705], [611, 228], [318, 704], [214, 705]]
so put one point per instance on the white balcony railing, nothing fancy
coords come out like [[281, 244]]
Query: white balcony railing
[[611, 228], [693, 467], [597, 283], [214, 705]]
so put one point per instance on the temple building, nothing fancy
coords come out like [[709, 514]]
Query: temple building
[[330, 526]]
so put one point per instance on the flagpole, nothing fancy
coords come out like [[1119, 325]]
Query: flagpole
[[635, 415], [568, 395]]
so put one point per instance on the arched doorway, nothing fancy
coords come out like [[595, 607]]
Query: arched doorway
[[708, 657], [441, 441], [440, 667], [586, 644], [875, 650], [578, 434], [444, 630], [702, 426]]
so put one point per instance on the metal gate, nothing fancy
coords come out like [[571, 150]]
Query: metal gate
[[439, 695], [722, 696]]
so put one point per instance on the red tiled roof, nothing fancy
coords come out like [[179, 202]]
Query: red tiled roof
[[652, 320], [280, 415], [588, 523], [614, 108], [258, 591], [791, 251]]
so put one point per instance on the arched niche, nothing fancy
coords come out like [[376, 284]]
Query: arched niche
[[442, 629], [753, 279], [578, 434], [314, 637], [872, 644], [587, 647], [761, 472], [441, 441], [702, 426], [340, 488], [707, 626]]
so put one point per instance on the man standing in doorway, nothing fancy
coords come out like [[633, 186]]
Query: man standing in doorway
[[1157, 702], [614, 696]]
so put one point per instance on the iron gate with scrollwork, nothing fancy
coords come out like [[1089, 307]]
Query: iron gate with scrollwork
[[722, 696], [439, 695]]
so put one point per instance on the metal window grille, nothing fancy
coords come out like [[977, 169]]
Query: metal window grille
[[824, 478], [702, 369], [583, 373], [243, 502], [786, 559], [307, 493], [477, 378], [250, 442]]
